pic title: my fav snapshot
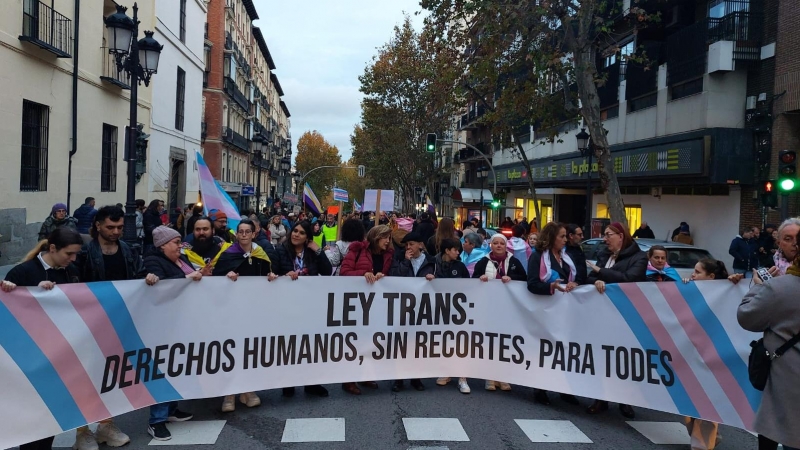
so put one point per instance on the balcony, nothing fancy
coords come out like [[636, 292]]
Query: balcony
[[642, 78], [236, 139], [469, 120], [112, 74], [46, 28], [687, 48], [228, 41], [609, 92], [233, 91]]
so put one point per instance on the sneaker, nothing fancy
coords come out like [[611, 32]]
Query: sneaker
[[463, 387], [110, 434], [85, 440], [505, 386], [443, 381], [229, 403], [180, 416], [159, 431], [250, 399], [490, 385]]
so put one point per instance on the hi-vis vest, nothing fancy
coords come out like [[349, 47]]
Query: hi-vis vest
[[330, 232]]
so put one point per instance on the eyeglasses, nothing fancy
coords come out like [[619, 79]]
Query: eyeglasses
[[608, 235], [244, 232]]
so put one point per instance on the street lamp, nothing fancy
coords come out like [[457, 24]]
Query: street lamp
[[298, 179], [259, 142], [482, 173], [587, 150], [140, 60]]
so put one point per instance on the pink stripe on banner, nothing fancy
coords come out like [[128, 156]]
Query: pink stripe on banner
[[682, 369], [707, 350], [96, 319], [30, 314]]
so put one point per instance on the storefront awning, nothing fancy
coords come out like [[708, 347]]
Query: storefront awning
[[467, 195]]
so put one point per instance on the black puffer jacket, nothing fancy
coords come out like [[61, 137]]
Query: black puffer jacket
[[152, 220], [91, 267], [630, 267], [452, 269], [575, 253], [317, 264], [405, 269], [159, 265]]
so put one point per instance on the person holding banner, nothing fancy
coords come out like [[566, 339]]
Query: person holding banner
[[301, 256], [473, 250], [622, 262], [657, 267], [415, 264], [166, 262], [45, 266], [371, 259], [352, 232], [244, 258], [548, 267], [499, 264], [448, 266]]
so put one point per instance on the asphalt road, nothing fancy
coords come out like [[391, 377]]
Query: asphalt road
[[375, 420]]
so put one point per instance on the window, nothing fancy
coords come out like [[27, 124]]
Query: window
[[35, 134], [687, 89], [180, 97], [632, 213], [183, 22], [108, 165], [643, 102], [625, 50]]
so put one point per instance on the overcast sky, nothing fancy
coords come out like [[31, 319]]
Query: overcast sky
[[320, 47]]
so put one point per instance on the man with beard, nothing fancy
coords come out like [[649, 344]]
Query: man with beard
[[106, 258], [205, 248], [220, 221]]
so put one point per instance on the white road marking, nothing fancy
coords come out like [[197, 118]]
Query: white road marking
[[429, 429], [552, 431], [314, 430]]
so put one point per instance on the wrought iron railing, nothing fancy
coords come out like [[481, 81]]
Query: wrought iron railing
[[609, 92], [228, 41], [236, 139], [233, 91], [46, 28], [111, 72]]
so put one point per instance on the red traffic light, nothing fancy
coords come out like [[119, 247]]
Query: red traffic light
[[787, 156], [769, 186]]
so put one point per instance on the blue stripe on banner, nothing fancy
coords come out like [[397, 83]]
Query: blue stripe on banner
[[40, 372], [642, 332], [719, 337], [117, 311]]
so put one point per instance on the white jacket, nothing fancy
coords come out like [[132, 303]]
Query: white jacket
[[277, 233]]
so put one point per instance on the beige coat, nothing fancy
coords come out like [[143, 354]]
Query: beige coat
[[775, 306]]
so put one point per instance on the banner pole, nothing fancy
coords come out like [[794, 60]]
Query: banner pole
[[339, 221], [378, 207]]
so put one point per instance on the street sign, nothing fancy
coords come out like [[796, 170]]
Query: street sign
[[340, 195], [248, 191], [361, 171]]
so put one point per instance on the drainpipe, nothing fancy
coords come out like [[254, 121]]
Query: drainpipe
[[74, 148]]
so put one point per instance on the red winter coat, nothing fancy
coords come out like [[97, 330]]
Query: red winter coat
[[358, 260]]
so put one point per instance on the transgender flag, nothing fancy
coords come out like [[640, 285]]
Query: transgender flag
[[213, 196], [356, 206], [311, 200]]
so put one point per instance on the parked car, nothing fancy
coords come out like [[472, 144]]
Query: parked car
[[682, 257]]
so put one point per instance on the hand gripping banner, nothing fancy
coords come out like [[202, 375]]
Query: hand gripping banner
[[85, 352]]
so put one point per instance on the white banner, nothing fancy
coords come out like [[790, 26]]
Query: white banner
[[81, 353]]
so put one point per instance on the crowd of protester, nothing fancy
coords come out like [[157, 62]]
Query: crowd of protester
[[192, 244]]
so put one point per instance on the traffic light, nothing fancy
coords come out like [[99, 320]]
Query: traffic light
[[495, 204], [769, 194], [787, 170], [430, 143]]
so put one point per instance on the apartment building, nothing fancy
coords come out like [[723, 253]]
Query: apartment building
[[686, 133], [65, 109], [241, 99], [175, 127]]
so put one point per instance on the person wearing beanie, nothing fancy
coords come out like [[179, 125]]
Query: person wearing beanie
[[621, 262], [58, 218], [220, 220], [165, 261], [684, 237]]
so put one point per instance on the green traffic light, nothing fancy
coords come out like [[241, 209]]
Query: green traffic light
[[787, 184]]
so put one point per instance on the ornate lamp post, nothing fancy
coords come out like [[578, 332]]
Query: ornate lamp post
[[482, 173], [444, 185], [140, 60], [587, 150]]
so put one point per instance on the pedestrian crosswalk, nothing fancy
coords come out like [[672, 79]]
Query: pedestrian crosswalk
[[417, 429]]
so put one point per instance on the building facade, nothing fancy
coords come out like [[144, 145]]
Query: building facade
[[62, 144], [175, 132], [682, 134], [241, 98]]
